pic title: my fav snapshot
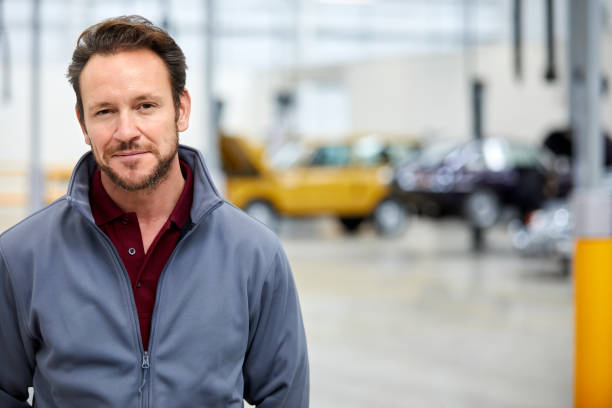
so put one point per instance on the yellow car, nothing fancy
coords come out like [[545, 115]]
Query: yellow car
[[349, 181]]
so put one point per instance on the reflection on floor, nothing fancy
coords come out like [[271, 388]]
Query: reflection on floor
[[421, 321]]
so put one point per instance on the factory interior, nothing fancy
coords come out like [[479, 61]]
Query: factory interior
[[435, 171]]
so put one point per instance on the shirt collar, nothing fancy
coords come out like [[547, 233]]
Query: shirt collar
[[104, 209]]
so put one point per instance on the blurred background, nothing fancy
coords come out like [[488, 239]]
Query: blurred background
[[414, 157]]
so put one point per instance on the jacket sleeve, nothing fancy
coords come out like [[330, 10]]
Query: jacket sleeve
[[16, 352], [276, 371]]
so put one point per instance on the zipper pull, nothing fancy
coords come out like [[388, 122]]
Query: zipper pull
[[145, 370], [145, 360]]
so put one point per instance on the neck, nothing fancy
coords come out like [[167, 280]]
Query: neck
[[151, 204]]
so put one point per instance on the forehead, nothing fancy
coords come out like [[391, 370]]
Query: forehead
[[124, 73]]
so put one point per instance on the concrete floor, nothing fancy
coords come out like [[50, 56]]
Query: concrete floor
[[420, 321]]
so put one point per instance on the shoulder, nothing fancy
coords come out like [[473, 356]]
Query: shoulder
[[31, 235], [250, 244], [31, 227], [237, 224]]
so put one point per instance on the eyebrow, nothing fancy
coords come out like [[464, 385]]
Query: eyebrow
[[98, 106], [148, 96]]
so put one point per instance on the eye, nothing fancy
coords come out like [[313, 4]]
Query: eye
[[146, 106], [103, 112]]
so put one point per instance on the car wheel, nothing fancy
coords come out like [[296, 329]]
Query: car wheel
[[263, 212], [390, 218], [350, 224], [482, 209]]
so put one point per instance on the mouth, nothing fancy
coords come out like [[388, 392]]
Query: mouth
[[129, 154], [130, 158]]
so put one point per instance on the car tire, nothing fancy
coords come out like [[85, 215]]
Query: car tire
[[350, 225], [263, 212], [390, 218], [482, 209]]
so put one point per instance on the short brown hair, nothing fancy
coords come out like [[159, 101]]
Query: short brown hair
[[127, 33]]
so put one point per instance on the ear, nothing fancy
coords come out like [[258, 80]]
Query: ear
[[82, 124], [184, 110]]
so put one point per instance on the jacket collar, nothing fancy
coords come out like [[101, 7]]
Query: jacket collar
[[205, 194]]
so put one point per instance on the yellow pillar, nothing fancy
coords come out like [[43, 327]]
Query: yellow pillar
[[593, 331]]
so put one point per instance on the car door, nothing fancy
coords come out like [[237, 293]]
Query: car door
[[325, 183]]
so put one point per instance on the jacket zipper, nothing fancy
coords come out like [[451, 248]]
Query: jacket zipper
[[145, 365], [168, 263], [145, 361], [145, 370], [144, 354]]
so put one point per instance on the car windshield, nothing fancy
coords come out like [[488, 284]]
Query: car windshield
[[369, 152], [493, 154], [336, 156], [289, 155], [434, 154]]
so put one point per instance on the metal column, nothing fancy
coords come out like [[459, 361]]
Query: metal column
[[551, 66], [478, 87], [593, 212], [517, 37], [164, 6], [5, 50], [475, 88], [36, 178], [211, 135]]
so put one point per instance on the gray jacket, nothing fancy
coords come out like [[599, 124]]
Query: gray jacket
[[226, 325]]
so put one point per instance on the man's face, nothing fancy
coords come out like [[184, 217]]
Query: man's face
[[130, 119]]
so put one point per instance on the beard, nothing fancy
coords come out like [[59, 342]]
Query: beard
[[151, 180]]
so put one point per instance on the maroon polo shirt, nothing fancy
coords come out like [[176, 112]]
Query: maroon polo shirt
[[123, 230]]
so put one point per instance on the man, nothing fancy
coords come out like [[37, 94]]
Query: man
[[142, 286]]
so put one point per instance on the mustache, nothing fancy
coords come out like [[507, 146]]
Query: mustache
[[128, 146]]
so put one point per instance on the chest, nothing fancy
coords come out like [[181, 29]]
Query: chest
[[81, 292]]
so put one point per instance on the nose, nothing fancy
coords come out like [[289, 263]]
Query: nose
[[127, 128]]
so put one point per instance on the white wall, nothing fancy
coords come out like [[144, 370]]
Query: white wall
[[429, 95], [417, 96]]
